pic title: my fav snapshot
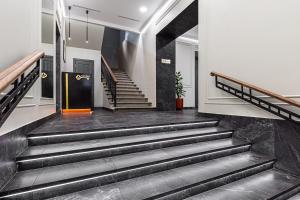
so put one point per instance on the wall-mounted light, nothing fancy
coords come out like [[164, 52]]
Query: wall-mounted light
[[69, 38], [87, 27]]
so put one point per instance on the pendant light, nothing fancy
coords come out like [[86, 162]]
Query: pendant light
[[69, 38], [87, 27]]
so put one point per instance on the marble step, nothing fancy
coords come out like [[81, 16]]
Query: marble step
[[295, 197], [119, 78], [122, 76], [206, 175], [125, 85], [119, 168], [130, 99], [125, 82], [62, 153], [124, 95], [126, 92], [267, 185], [53, 138], [133, 105]]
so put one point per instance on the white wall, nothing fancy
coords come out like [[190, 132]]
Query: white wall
[[21, 22], [185, 63], [257, 41], [142, 69], [88, 54]]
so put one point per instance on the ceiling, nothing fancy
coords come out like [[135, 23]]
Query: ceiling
[[116, 13]]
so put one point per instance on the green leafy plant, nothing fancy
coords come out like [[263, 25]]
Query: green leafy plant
[[180, 92]]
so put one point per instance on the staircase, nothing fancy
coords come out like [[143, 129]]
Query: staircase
[[191, 160], [129, 97]]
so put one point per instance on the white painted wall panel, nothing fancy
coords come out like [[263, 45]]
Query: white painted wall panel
[[21, 35], [256, 41]]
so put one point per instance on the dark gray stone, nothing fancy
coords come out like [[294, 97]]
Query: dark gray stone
[[277, 138]]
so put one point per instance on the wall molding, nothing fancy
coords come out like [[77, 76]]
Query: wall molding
[[164, 14]]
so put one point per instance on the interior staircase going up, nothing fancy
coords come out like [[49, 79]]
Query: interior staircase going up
[[190, 160], [129, 97]]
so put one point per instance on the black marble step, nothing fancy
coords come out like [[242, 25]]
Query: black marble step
[[209, 174], [295, 197], [53, 138], [267, 185], [289, 193], [57, 154], [121, 168], [224, 179]]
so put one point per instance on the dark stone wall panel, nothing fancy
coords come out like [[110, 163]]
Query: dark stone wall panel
[[165, 77], [276, 138], [13, 144]]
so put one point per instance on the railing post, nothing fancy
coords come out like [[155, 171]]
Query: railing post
[[115, 98]]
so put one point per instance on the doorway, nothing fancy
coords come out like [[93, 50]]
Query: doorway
[[165, 56], [85, 67]]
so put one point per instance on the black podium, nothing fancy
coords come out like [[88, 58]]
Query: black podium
[[77, 91]]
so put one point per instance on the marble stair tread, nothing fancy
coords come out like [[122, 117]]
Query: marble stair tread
[[71, 146], [262, 186], [167, 181], [295, 197], [49, 174]]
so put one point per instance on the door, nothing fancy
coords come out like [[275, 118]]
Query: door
[[196, 79], [85, 67], [47, 77]]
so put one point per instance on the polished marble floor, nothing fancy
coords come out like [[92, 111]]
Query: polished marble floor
[[103, 119]]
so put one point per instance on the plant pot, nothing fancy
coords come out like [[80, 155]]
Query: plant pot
[[179, 104]]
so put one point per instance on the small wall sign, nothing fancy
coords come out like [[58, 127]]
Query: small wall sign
[[166, 61]]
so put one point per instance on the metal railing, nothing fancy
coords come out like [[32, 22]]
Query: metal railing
[[245, 92], [21, 83], [109, 78]]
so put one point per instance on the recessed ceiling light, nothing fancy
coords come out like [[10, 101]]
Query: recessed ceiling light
[[143, 9]]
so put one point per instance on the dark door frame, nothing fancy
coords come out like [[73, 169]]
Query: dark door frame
[[165, 56], [196, 79], [58, 69]]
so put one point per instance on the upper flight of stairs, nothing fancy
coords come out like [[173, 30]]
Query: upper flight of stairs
[[128, 94], [192, 160]]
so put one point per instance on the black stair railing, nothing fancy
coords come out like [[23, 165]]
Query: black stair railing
[[14, 84], [110, 79], [245, 91]]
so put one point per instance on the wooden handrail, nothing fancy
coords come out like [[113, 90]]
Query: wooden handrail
[[109, 69], [258, 89], [10, 74]]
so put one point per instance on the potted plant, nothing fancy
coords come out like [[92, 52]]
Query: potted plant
[[180, 92]]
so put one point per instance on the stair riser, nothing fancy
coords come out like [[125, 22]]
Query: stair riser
[[73, 137], [213, 183], [287, 194], [127, 92], [124, 86], [77, 156], [127, 95], [97, 180], [120, 105], [120, 101]]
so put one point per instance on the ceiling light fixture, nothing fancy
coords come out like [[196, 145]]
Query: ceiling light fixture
[[70, 23], [143, 9], [87, 27]]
